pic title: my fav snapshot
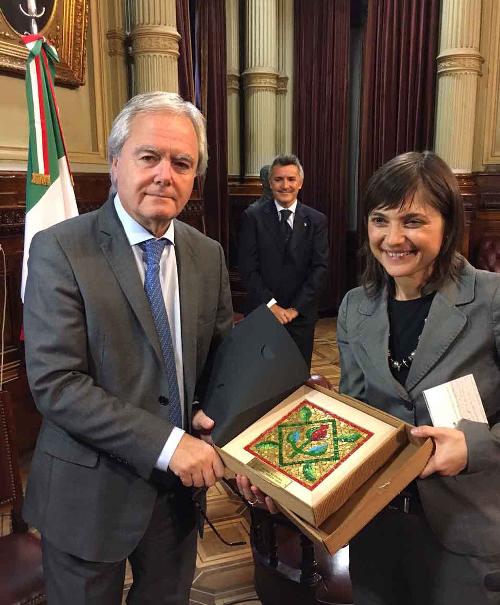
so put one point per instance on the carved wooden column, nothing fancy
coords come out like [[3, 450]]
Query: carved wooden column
[[233, 88], [155, 45], [260, 82], [284, 97], [459, 67]]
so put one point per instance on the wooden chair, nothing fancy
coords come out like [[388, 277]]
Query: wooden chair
[[289, 569], [21, 572]]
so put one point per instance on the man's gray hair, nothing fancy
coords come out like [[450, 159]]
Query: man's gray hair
[[287, 160], [152, 102]]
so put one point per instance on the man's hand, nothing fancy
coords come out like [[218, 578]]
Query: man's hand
[[450, 450], [202, 426], [279, 313], [284, 316], [253, 495], [196, 463]]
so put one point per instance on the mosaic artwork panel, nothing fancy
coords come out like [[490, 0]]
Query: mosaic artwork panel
[[308, 443]]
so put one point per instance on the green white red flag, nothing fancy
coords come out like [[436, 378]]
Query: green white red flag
[[50, 197]]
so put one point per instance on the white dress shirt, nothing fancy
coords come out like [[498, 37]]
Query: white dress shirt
[[169, 280]]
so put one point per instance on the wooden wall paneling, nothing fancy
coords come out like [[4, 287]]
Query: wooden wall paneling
[[481, 193], [486, 225], [14, 374], [12, 211], [91, 189], [194, 211], [488, 184]]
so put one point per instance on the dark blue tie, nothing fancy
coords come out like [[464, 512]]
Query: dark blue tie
[[286, 230], [153, 249]]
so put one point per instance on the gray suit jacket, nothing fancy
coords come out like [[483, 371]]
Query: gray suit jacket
[[461, 336], [96, 372]]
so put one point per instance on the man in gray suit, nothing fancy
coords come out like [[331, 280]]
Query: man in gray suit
[[123, 309]]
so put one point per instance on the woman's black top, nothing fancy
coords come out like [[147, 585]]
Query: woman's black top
[[406, 322]]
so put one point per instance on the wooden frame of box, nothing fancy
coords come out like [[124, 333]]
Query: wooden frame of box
[[381, 437]]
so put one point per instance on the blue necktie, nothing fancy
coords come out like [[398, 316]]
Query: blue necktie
[[153, 249]]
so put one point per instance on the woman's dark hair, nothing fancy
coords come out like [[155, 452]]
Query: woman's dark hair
[[395, 185]]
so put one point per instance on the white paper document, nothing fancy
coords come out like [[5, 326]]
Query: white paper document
[[453, 401]]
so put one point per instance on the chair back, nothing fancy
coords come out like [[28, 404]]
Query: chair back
[[488, 254], [21, 571]]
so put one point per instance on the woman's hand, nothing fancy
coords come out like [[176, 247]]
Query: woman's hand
[[450, 450], [253, 495]]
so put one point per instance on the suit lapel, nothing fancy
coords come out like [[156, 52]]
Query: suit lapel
[[117, 251], [301, 223], [272, 223], [188, 293], [444, 323]]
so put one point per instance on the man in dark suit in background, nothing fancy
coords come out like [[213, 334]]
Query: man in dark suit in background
[[283, 254], [267, 194], [123, 310]]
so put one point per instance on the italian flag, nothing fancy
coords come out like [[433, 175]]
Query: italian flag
[[50, 197]]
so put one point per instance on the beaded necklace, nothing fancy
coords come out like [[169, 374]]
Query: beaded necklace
[[406, 361], [406, 320]]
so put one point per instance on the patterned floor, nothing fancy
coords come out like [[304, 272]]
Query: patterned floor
[[325, 360]]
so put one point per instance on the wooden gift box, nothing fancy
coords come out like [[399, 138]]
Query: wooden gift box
[[282, 451]]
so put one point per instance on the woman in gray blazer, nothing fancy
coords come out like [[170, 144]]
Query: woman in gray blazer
[[424, 316]]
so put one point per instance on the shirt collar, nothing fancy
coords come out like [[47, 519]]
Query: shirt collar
[[135, 232], [292, 208]]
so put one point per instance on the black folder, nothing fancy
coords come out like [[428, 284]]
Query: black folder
[[256, 366]]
